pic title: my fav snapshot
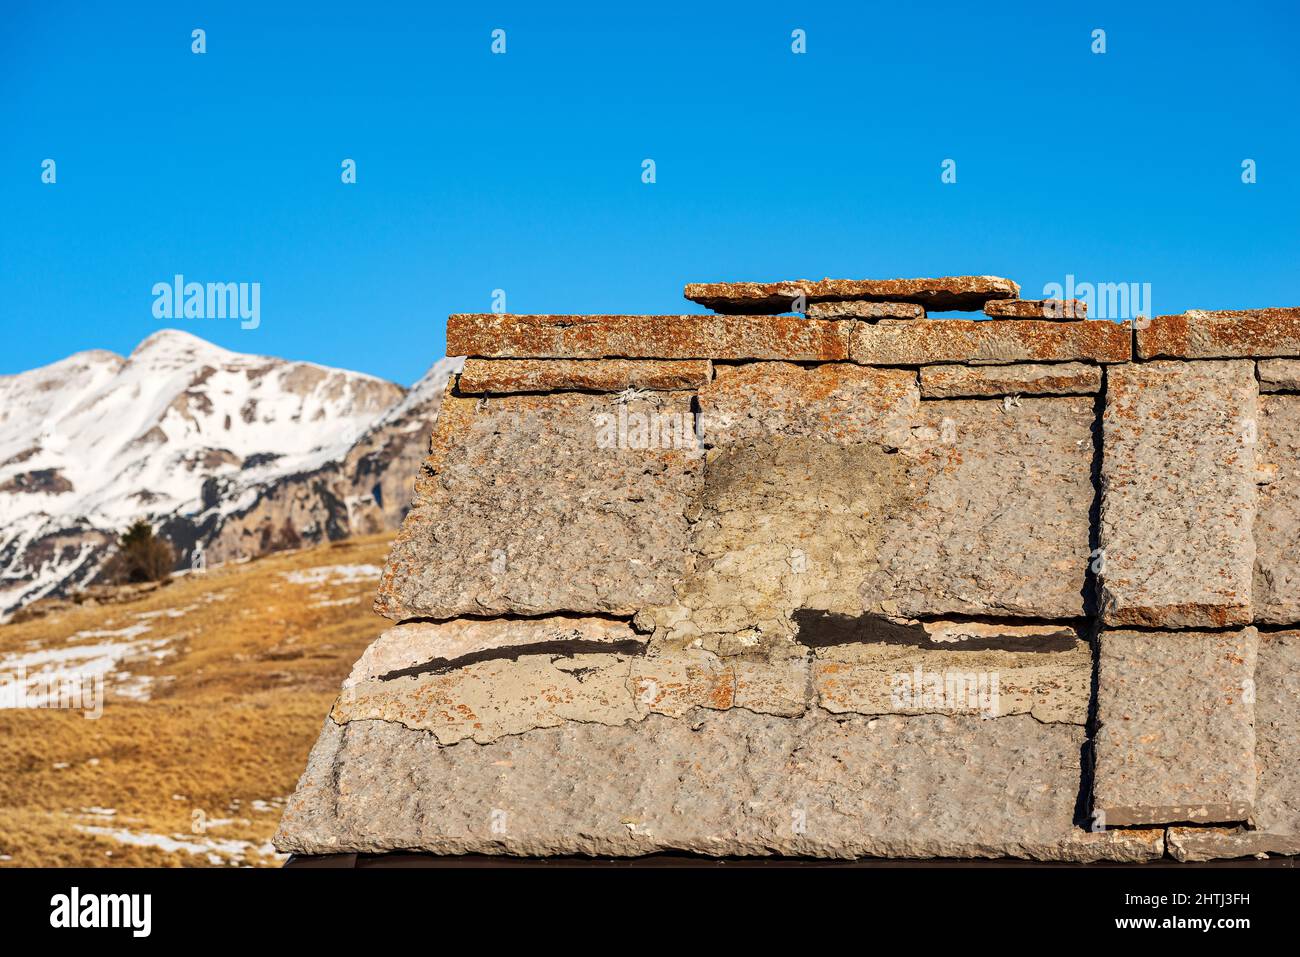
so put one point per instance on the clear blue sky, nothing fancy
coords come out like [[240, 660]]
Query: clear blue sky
[[523, 171]]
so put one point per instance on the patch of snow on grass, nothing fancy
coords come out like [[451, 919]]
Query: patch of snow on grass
[[334, 575]]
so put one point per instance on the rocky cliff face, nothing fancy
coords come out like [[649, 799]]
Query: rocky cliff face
[[229, 455]]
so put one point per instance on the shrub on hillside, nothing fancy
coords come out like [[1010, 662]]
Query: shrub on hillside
[[141, 556]]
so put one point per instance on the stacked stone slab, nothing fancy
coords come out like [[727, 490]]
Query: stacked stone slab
[[856, 582]]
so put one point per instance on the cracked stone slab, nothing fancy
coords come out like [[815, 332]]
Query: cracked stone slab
[[1178, 494], [998, 516], [865, 309], [505, 336], [1279, 375], [537, 504], [920, 342], [1276, 585], [944, 293], [723, 783], [1276, 820], [1176, 738], [1060, 309], [1051, 378], [838, 402], [428, 644], [785, 523], [1052, 684], [1223, 334], [505, 376]]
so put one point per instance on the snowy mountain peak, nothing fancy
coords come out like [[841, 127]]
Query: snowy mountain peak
[[97, 441]]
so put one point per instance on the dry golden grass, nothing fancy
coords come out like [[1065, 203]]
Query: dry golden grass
[[253, 661]]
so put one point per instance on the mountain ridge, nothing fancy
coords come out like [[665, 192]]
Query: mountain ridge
[[220, 450]]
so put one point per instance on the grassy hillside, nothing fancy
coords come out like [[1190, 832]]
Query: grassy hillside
[[214, 689]]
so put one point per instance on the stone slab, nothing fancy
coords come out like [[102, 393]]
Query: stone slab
[[939, 294], [542, 504], [723, 783], [996, 517], [429, 645], [1179, 498], [1279, 375], [837, 402], [1052, 378], [865, 310], [1275, 827], [503, 376], [1176, 736], [1037, 309], [1276, 585], [785, 523], [1223, 334], [1052, 682], [922, 342], [505, 336]]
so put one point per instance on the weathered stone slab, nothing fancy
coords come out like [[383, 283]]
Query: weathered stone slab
[[987, 341], [505, 376], [1053, 682], [865, 309], [996, 520], [1279, 375], [838, 402], [647, 337], [947, 292], [730, 782], [1225, 334], [541, 504], [785, 523], [1052, 378], [1276, 818], [488, 700], [1178, 502], [1036, 309], [427, 646], [1176, 741], [1276, 583]]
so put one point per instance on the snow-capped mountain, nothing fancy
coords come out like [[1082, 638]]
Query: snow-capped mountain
[[220, 450]]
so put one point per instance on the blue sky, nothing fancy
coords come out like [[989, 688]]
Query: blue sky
[[523, 171]]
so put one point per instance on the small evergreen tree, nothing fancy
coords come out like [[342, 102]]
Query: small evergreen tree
[[141, 556]]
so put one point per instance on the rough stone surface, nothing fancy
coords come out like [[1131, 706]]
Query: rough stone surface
[[785, 523], [1037, 308], [987, 341], [1277, 525], [1276, 821], [997, 517], [722, 783], [1279, 375], [428, 644], [540, 504], [1176, 737], [1053, 683], [1178, 494], [647, 337], [1227, 334], [865, 309], [838, 402], [1053, 378], [948, 292], [583, 375]]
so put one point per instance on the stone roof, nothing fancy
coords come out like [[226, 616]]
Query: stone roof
[[855, 583]]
